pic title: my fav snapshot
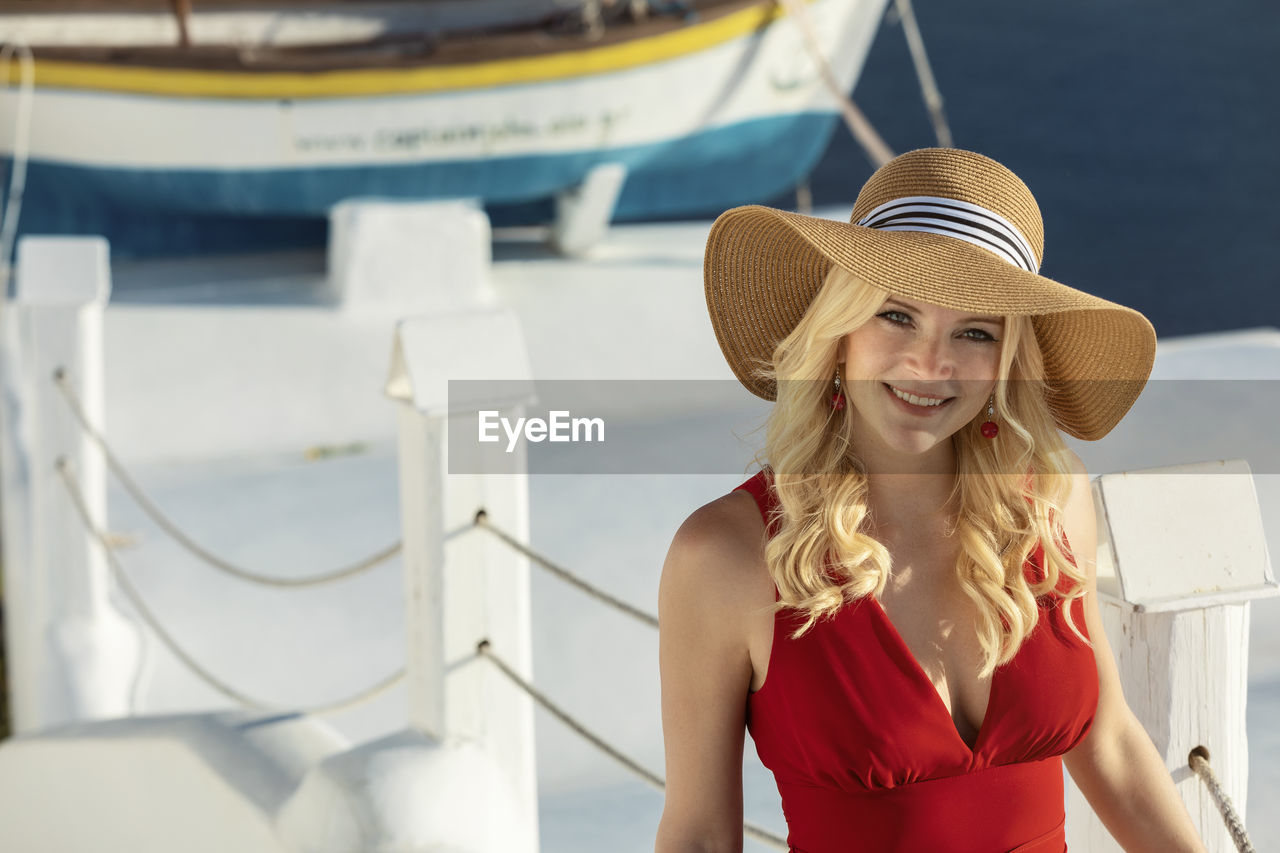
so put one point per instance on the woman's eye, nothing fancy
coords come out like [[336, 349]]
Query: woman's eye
[[979, 335], [896, 317]]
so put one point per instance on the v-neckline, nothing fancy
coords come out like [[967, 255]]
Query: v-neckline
[[913, 664]]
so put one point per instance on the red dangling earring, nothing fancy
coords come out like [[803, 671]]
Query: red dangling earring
[[989, 428], [837, 399]]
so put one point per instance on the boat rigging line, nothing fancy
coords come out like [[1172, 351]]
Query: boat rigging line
[[876, 149], [924, 73], [18, 167]]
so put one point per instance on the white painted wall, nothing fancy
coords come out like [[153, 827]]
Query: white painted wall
[[250, 379]]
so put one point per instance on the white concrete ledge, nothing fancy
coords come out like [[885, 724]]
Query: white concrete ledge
[[192, 782]]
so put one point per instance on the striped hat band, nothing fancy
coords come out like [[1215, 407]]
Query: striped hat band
[[960, 219]]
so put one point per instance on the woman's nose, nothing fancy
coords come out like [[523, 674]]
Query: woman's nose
[[931, 356]]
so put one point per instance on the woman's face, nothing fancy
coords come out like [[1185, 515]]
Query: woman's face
[[943, 362]]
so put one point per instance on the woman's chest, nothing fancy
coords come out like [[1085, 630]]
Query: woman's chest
[[850, 700], [935, 626]]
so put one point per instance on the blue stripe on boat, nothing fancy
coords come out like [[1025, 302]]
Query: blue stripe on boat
[[148, 213]]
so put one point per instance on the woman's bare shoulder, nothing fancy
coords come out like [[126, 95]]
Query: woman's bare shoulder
[[718, 551]]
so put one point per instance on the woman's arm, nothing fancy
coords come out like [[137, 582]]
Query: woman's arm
[[706, 674], [1116, 766]]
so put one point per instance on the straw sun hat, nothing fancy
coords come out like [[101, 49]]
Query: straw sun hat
[[944, 226]]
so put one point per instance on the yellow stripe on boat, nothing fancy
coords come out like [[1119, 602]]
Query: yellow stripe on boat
[[384, 81]]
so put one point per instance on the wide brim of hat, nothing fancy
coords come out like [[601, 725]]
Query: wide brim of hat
[[763, 266]]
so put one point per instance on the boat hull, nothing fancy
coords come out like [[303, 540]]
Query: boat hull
[[753, 125]]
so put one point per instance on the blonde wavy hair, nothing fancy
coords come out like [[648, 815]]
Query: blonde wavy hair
[[1009, 492]]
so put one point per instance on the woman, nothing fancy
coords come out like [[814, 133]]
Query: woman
[[900, 606]]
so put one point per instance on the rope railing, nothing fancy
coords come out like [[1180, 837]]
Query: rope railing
[[484, 650], [131, 592], [482, 521], [165, 523], [1199, 762]]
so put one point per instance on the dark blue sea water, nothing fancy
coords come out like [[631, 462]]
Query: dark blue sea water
[[1149, 132]]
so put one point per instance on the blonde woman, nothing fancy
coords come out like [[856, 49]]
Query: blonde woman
[[900, 605]]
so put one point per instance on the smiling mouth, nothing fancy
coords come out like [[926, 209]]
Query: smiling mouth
[[916, 401]]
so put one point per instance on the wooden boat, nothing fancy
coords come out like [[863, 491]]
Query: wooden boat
[[183, 147]]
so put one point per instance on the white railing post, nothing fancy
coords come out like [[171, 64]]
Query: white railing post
[[462, 775], [72, 655], [475, 588], [1181, 553]]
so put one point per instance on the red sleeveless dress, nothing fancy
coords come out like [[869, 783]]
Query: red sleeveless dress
[[868, 759]]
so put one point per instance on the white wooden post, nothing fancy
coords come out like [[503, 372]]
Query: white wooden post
[[462, 776], [1181, 553], [475, 588], [72, 655]]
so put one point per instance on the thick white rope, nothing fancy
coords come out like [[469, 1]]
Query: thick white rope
[[483, 650], [1199, 761], [924, 72], [482, 521], [152, 510], [877, 151], [131, 592]]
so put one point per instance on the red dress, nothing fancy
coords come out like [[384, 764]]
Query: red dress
[[867, 758]]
